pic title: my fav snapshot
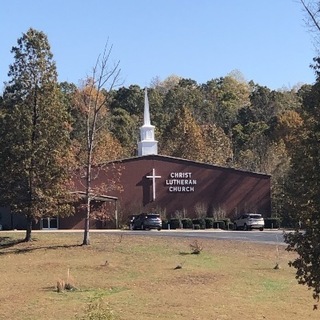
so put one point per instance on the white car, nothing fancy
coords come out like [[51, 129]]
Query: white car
[[249, 221]]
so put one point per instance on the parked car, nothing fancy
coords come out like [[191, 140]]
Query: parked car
[[249, 221], [146, 221]]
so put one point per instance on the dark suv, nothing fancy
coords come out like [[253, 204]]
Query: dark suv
[[146, 221]]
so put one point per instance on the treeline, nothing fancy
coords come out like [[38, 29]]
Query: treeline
[[226, 121]]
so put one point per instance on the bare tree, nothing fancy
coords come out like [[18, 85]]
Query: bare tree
[[93, 99], [312, 8]]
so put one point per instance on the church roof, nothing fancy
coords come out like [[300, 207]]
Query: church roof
[[191, 162]]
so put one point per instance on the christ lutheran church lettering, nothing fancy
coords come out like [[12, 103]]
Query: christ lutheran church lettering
[[181, 182]]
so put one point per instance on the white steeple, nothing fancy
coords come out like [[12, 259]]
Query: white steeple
[[147, 144]]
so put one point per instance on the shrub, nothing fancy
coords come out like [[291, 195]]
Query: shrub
[[187, 223], [227, 223], [219, 225], [175, 223], [196, 226], [230, 226], [201, 222], [209, 223], [272, 223], [165, 224]]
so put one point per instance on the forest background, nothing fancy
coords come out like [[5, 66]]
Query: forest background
[[226, 121]]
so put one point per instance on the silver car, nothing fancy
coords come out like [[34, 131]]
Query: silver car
[[249, 221]]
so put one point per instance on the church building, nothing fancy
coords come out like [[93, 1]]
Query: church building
[[173, 186]]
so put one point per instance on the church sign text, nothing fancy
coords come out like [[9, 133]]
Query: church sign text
[[181, 182]]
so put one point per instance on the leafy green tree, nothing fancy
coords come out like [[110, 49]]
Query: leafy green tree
[[262, 103], [286, 127], [225, 96], [130, 99], [185, 93], [127, 115], [125, 128], [303, 205], [126, 109], [303, 189], [264, 131], [218, 148], [68, 91], [167, 84], [184, 137], [34, 129], [251, 145], [278, 162], [267, 104]]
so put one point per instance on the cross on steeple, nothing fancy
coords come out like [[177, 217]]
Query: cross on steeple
[[153, 177]]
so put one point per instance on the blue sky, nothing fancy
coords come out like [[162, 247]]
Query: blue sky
[[266, 40]]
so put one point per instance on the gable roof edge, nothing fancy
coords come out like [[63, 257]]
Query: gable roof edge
[[162, 157]]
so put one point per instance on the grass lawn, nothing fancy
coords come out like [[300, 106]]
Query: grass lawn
[[135, 278]]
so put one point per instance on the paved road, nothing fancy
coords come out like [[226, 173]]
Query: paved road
[[267, 236]]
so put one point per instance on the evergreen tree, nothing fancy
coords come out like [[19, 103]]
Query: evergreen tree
[[303, 189], [125, 128], [34, 131]]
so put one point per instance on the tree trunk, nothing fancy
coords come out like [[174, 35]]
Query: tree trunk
[[86, 235], [28, 229]]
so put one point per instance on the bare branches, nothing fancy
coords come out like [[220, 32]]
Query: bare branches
[[104, 76], [93, 100], [312, 13], [312, 9]]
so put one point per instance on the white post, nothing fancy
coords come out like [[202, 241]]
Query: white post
[[116, 214]]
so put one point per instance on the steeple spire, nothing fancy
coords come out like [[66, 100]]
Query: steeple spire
[[147, 144], [146, 115]]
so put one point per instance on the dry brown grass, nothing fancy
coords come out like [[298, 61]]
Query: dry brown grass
[[136, 277]]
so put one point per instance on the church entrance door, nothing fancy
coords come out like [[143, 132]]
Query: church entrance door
[[49, 223]]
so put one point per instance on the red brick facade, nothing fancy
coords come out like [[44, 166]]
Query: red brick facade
[[183, 185]]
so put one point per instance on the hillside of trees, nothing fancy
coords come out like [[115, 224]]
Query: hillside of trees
[[226, 121]]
